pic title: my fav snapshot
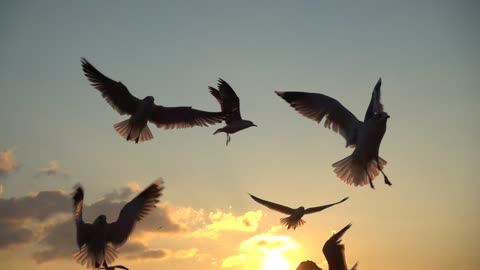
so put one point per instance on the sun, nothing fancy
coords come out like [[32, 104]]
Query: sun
[[275, 261]]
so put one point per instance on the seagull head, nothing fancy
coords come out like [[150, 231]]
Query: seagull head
[[382, 117], [149, 99], [102, 219], [250, 124]]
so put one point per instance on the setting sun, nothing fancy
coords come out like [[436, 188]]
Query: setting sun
[[275, 261]]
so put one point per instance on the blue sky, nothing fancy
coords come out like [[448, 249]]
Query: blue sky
[[425, 51]]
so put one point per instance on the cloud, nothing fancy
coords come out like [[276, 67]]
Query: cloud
[[138, 251], [53, 169], [19, 215], [220, 221], [8, 162]]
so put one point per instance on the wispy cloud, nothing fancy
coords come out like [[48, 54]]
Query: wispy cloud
[[219, 221], [8, 163], [52, 169]]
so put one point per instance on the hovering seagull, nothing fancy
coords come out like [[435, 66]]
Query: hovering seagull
[[364, 164], [98, 242], [334, 251], [135, 128], [295, 219], [230, 104]]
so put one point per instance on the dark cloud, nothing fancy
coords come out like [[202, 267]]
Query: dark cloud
[[139, 251], [39, 206], [12, 233]]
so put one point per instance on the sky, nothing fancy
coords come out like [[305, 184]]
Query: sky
[[56, 131]]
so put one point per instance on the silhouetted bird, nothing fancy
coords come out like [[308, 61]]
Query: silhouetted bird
[[364, 164], [230, 104], [334, 251], [98, 242], [295, 219], [308, 265], [135, 128]]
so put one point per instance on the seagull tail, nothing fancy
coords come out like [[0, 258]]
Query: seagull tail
[[86, 256], [291, 222], [352, 171], [138, 134]]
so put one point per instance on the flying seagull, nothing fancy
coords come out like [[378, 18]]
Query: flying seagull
[[334, 251], [364, 164], [295, 219], [230, 104], [98, 242], [135, 128]]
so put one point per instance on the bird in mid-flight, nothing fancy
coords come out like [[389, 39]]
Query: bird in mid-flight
[[98, 241], [364, 164], [135, 128], [230, 104], [334, 251], [295, 219]]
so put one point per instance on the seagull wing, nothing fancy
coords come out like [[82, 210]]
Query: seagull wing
[[334, 251], [318, 106], [84, 230], [132, 212], [375, 105], [320, 208], [228, 99], [183, 117], [115, 93], [274, 206]]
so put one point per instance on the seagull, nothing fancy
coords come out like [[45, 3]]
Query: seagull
[[230, 104], [364, 164], [98, 242], [295, 219], [135, 128], [334, 251], [308, 265]]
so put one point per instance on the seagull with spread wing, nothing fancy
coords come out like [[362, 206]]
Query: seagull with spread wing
[[364, 164], [295, 219], [334, 251], [135, 128], [98, 242], [230, 104]]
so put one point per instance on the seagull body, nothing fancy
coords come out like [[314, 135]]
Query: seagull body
[[135, 128], [294, 219], [98, 242], [334, 251], [364, 164], [230, 104]]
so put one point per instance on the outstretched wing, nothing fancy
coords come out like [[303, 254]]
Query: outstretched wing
[[320, 208], [132, 212], [115, 93], [375, 105], [318, 106], [334, 251], [274, 206], [183, 117], [84, 230], [228, 99]]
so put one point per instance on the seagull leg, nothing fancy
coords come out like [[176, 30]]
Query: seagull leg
[[228, 138], [369, 178], [385, 178]]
